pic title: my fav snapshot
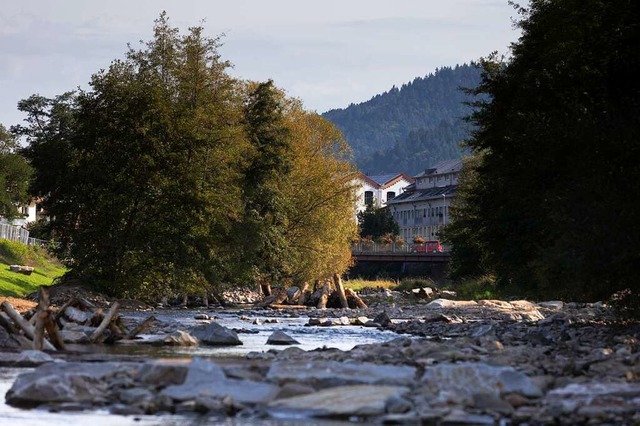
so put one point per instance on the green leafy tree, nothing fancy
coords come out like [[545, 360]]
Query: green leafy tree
[[14, 176], [377, 221], [140, 198], [553, 202], [262, 229], [170, 176]]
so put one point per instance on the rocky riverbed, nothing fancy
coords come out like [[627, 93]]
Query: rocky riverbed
[[452, 362]]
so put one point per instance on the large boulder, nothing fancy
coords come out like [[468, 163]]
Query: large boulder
[[333, 373], [205, 379], [281, 338], [66, 382], [341, 401], [467, 378], [215, 335]]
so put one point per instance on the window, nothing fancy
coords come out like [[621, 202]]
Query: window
[[368, 197], [391, 195], [431, 179]]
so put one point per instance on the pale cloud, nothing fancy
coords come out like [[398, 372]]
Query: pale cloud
[[329, 54]]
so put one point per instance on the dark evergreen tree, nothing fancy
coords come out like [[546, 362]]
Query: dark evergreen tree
[[375, 222], [553, 205]]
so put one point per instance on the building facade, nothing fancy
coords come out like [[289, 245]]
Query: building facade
[[422, 209], [380, 189]]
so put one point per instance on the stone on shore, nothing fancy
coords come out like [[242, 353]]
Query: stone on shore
[[341, 401], [65, 382], [333, 373], [180, 338], [466, 379], [215, 335], [205, 379], [281, 338]]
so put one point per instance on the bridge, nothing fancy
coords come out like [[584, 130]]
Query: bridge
[[397, 260]]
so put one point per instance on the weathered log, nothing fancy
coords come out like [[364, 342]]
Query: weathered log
[[41, 318], [275, 306], [45, 316], [86, 305], [303, 294], [337, 281], [98, 333], [265, 287], [293, 294], [27, 328], [353, 296], [54, 332], [143, 326], [5, 322], [324, 297], [72, 301]]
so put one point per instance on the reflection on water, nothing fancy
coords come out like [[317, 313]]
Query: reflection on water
[[344, 338]]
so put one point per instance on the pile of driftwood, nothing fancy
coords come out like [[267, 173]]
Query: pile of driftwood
[[324, 294], [44, 328]]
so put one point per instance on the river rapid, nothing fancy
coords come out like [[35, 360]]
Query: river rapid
[[253, 336]]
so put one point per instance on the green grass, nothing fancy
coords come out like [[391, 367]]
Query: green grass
[[358, 284], [14, 284]]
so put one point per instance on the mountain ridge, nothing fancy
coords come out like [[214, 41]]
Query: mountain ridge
[[409, 128]]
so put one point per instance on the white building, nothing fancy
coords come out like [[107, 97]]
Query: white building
[[423, 208], [28, 214], [380, 189]]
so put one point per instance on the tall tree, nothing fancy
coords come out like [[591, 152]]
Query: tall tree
[[553, 205], [14, 176], [377, 221], [143, 197]]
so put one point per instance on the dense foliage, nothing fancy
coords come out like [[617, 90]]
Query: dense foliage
[[375, 222], [14, 176], [413, 127], [170, 176], [550, 204]]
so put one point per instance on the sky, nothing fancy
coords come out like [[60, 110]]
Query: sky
[[328, 53]]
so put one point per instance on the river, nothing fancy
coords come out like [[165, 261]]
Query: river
[[310, 338]]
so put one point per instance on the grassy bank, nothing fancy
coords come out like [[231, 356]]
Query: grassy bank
[[14, 284]]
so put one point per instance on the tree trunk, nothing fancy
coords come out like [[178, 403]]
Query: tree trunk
[[97, 334], [326, 290], [358, 301], [265, 286], [144, 325], [337, 281], [303, 294], [27, 328]]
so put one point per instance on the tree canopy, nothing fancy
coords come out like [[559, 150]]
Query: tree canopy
[[14, 176], [549, 202], [170, 175]]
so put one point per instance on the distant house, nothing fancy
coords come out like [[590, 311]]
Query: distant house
[[28, 214], [423, 208], [380, 189]]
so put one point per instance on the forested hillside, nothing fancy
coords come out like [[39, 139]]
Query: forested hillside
[[410, 128]]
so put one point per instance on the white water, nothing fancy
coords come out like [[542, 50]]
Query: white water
[[340, 337]]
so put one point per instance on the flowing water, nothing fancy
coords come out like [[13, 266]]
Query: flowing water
[[340, 337]]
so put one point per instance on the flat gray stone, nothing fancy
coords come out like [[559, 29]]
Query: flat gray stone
[[359, 400], [180, 338], [281, 338], [216, 335], [65, 382], [334, 373], [466, 379]]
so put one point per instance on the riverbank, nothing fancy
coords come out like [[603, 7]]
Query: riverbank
[[452, 362]]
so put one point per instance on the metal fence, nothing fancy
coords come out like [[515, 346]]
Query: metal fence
[[381, 248], [14, 233]]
